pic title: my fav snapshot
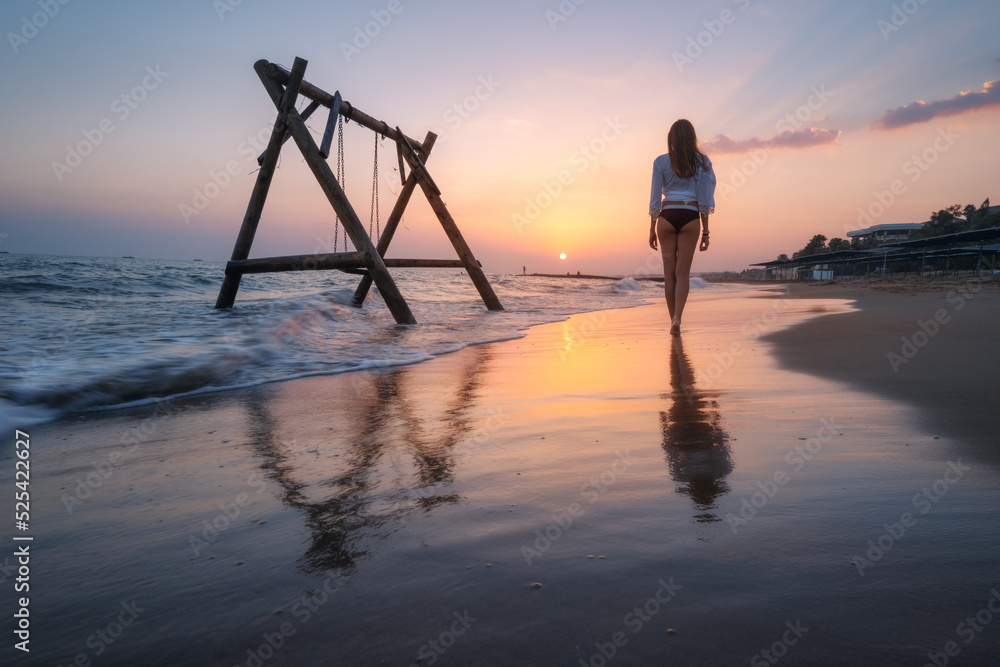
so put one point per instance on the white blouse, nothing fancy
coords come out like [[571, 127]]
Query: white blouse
[[668, 186]]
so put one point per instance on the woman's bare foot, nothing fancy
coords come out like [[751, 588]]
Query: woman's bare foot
[[675, 329]]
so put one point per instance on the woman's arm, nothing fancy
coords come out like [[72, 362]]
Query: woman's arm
[[656, 190], [705, 187], [655, 197]]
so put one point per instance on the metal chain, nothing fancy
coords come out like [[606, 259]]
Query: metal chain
[[341, 176], [374, 209]]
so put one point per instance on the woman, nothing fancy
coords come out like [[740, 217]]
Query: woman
[[683, 191]]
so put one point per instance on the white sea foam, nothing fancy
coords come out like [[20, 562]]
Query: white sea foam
[[628, 284], [99, 333]]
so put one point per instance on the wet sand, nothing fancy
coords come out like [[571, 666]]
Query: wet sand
[[594, 493], [931, 343]]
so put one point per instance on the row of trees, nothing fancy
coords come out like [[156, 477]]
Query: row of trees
[[818, 245], [949, 220]]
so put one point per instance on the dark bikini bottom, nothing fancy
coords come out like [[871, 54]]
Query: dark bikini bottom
[[678, 217]]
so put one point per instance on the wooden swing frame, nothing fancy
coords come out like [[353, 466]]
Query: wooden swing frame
[[284, 87]]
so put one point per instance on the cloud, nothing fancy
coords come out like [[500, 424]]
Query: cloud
[[724, 143], [921, 112]]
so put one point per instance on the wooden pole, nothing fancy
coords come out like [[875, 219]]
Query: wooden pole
[[305, 114], [450, 228], [284, 102], [395, 217], [335, 195], [280, 74]]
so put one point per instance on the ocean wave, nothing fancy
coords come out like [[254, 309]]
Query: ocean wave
[[101, 333], [628, 284]]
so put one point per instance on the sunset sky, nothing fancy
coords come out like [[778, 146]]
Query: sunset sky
[[119, 115]]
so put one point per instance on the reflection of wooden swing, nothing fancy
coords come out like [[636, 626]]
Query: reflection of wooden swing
[[367, 258]]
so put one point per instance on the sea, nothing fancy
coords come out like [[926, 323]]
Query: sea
[[96, 333]]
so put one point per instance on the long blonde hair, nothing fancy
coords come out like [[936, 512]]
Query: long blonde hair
[[682, 144]]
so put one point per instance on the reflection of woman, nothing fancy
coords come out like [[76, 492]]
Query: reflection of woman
[[693, 439], [683, 190]]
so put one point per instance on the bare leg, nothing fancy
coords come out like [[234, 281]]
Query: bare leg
[[667, 236], [687, 241]]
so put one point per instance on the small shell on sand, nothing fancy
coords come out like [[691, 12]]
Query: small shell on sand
[[536, 585]]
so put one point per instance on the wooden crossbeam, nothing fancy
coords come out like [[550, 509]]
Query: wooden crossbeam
[[395, 263], [333, 260], [281, 75], [318, 262]]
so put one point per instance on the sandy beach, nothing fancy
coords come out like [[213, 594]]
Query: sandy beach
[[929, 343], [766, 488]]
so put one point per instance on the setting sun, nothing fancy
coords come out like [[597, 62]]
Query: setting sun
[[562, 256]]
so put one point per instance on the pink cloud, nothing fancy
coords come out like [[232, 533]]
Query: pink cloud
[[724, 143], [921, 112]]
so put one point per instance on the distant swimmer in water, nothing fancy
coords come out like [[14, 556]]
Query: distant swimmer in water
[[683, 191]]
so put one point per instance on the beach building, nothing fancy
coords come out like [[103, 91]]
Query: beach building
[[886, 232], [817, 272], [971, 252]]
